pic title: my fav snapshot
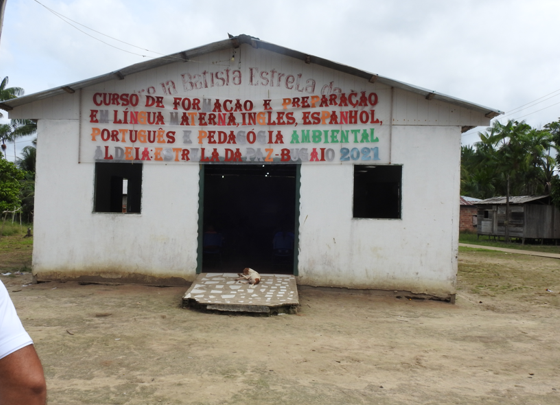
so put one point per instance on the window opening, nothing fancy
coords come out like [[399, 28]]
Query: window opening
[[377, 192], [118, 187]]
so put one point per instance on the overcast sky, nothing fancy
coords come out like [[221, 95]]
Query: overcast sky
[[501, 54]]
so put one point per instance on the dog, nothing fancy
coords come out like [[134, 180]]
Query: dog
[[249, 276]]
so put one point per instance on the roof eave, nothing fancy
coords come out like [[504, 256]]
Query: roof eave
[[235, 42], [512, 199]]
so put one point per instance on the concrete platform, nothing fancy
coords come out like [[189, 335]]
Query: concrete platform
[[276, 293]]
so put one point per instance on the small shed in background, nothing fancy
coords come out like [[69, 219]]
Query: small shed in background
[[530, 217], [469, 214]]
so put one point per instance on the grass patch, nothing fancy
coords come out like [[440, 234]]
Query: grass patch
[[15, 250], [518, 277], [472, 239], [13, 236], [469, 249], [7, 228]]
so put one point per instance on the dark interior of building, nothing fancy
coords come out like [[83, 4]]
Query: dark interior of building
[[249, 218], [377, 191], [109, 187]]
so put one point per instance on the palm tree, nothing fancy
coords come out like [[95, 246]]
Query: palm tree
[[28, 159], [509, 157], [538, 164], [15, 129], [27, 190], [478, 174], [554, 129], [8, 93], [5, 131]]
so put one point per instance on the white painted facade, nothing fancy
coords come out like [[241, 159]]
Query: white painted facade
[[416, 253]]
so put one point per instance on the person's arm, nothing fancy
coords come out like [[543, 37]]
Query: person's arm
[[22, 380]]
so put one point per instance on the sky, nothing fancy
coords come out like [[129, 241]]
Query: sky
[[502, 54]]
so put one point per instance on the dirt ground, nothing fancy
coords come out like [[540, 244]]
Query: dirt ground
[[125, 344]]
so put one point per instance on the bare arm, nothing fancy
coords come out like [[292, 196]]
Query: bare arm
[[21, 378]]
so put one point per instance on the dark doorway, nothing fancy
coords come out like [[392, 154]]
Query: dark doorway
[[249, 214]]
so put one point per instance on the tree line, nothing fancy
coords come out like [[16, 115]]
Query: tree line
[[512, 159], [17, 180]]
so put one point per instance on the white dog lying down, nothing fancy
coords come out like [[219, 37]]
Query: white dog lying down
[[249, 276]]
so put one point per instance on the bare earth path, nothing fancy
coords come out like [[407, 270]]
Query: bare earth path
[[127, 344], [515, 251]]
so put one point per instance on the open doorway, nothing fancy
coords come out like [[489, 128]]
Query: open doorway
[[248, 218]]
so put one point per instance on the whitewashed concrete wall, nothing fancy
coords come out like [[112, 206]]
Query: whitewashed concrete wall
[[417, 253], [71, 241], [62, 107], [414, 109]]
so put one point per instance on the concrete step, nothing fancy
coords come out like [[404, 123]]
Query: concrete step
[[276, 293]]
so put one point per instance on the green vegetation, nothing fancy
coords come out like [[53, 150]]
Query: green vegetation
[[8, 228], [15, 250], [517, 277], [469, 249], [10, 177], [471, 238], [554, 129], [510, 159], [9, 93], [16, 128], [27, 191], [17, 181]]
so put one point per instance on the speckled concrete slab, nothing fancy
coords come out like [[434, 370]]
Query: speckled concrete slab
[[276, 293]]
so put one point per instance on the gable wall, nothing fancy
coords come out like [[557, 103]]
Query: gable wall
[[416, 253]]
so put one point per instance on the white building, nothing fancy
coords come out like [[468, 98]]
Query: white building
[[246, 138]]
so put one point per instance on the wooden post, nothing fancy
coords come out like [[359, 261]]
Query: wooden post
[[506, 222], [3, 221], [5, 214]]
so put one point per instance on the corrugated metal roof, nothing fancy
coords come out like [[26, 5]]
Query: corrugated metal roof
[[523, 199], [469, 200], [235, 42]]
